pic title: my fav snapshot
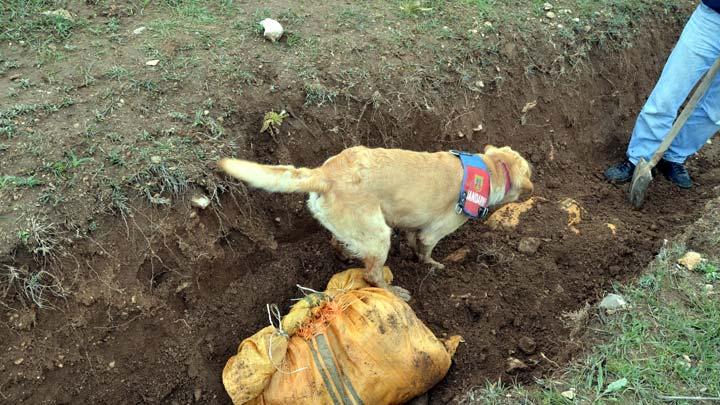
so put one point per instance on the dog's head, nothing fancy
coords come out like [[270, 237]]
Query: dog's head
[[519, 168]]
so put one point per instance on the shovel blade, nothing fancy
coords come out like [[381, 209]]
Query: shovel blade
[[642, 176]]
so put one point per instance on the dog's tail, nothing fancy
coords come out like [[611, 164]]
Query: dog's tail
[[278, 179]]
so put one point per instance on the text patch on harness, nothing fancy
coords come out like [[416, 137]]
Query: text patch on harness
[[475, 187]]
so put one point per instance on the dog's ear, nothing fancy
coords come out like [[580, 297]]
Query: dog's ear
[[488, 147]]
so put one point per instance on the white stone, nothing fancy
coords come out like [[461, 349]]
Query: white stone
[[273, 29]]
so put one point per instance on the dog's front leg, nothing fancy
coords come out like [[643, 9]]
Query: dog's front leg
[[340, 251], [374, 276]]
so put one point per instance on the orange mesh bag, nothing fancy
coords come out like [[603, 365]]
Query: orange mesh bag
[[352, 344]]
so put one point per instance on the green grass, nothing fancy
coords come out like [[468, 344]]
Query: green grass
[[318, 95], [23, 20], [19, 181]]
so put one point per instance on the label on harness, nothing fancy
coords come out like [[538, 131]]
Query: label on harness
[[475, 191]]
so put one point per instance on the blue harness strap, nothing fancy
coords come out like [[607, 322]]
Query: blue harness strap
[[470, 161]]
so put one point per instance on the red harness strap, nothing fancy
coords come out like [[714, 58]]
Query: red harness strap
[[508, 182], [475, 187]]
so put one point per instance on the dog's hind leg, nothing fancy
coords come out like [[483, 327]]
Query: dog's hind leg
[[411, 237]]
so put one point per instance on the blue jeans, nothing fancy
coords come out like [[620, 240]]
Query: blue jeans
[[697, 49]]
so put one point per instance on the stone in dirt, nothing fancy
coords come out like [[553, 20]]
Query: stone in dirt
[[200, 201], [527, 345], [569, 394], [273, 29], [690, 260], [515, 364], [529, 245], [458, 255], [613, 302]]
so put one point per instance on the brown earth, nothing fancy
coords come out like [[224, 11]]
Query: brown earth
[[163, 299]]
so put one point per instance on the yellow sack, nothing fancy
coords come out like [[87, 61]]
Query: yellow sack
[[352, 344]]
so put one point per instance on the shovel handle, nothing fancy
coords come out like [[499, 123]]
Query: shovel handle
[[685, 114]]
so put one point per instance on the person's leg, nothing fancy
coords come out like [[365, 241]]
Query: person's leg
[[700, 126], [692, 56]]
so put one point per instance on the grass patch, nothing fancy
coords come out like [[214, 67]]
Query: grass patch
[[34, 20], [19, 181], [31, 287], [316, 94], [159, 181], [665, 346]]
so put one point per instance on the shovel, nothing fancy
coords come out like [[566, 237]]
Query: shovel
[[642, 175]]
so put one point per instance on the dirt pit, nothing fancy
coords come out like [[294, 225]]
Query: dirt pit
[[164, 297]]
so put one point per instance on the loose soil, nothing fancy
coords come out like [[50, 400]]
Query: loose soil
[[164, 298]]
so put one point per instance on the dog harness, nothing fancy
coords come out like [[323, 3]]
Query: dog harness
[[475, 187]]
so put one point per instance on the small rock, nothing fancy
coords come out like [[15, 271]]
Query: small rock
[[138, 30], [19, 361], [156, 159], [550, 15], [529, 106], [569, 394], [527, 345], [515, 364], [182, 287], [197, 394], [273, 29], [152, 62], [458, 255], [529, 245], [200, 201], [111, 364], [478, 128], [547, 6], [613, 302], [690, 260]]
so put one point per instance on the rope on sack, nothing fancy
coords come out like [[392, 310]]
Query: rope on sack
[[307, 291], [274, 312]]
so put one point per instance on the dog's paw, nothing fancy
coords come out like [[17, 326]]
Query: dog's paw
[[434, 264], [401, 293]]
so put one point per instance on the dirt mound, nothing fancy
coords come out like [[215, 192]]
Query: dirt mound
[[170, 293]]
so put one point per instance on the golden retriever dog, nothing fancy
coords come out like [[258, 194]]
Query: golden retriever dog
[[361, 194]]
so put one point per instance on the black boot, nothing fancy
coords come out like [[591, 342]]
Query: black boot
[[620, 173], [676, 173]]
